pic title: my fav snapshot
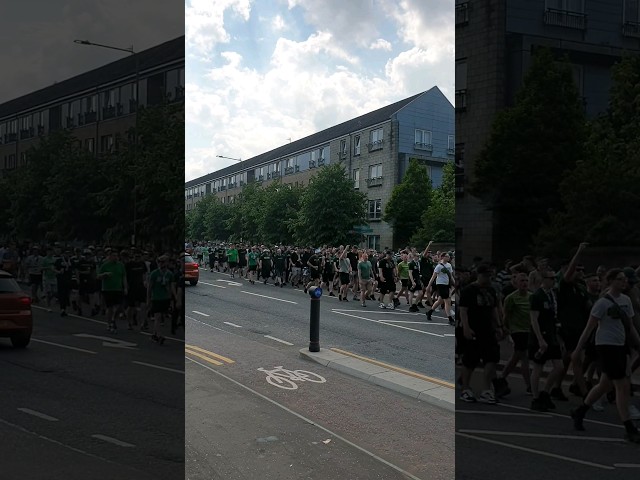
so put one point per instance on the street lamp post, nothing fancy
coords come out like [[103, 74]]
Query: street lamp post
[[135, 140], [230, 158]]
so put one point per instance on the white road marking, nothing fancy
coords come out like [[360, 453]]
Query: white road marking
[[408, 321], [271, 298], [232, 324], [210, 326], [115, 441], [212, 285], [38, 414], [200, 313], [510, 414], [597, 422], [73, 315], [310, 422], [166, 338], [449, 334], [64, 346], [278, 340], [537, 452], [159, 367], [543, 435], [109, 342], [626, 465], [389, 324], [233, 284]]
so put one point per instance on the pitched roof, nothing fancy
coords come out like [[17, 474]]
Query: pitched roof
[[364, 121], [160, 54]]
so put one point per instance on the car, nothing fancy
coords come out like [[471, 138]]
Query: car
[[16, 319], [191, 270]]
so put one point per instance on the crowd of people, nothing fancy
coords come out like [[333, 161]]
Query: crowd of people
[[565, 317], [141, 288], [424, 279]]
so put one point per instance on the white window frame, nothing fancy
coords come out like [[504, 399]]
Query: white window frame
[[377, 209], [377, 138], [375, 244], [356, 178], [423, 138], [343, 147], [451, 142], [356, 145], [375, 171]]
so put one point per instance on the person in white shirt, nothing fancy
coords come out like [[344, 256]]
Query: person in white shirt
[[443, 278]]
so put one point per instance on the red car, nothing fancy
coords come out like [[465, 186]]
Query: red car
[[16, 321], [191, 270]]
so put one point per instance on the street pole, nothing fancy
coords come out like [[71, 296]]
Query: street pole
[[314, 325]]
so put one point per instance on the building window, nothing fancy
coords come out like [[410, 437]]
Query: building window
[[106, 143], [23, 159], [423, 140], [375, 209], [375, 171], [342, 154], [565, 13], [631, 18], [26, 127], [10, 162], [451, 144], [373, 242], [155, 89], [377, 140], [90, 144], [175, 85], [356, 145], [462, 12], [356, 178]]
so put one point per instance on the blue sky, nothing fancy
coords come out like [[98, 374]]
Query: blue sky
[[263, 71]]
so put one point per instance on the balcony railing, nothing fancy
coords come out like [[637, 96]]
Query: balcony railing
[[40, 130], [133, 105], [423, 146], [321, 162], [565, 18], [232, 185], [451, 151], [377, 145], [374, 182], [69, 122], [108, 112], [312, 164], [462, 13], [342, 155], [631, 29], [26, 133], [10, 137]]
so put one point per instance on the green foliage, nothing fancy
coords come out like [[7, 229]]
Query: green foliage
[[409, 201], [438, 221], [531, 148], [600, 196], [281, 204]]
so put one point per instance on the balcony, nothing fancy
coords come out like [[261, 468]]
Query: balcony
[[69, 123], [631, 29], [133, 105], [108, 112], [462, 14], [451, 151], [342, 156], [321, 162], [119, 109], [374, 182], [377, 145], [312, 164], [26, 133], [290, 170], [423, 146], [565, 18], [40, 130], [232, 185], [90, 117], [10, 137]]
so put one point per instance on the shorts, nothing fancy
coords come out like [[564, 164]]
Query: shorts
[[87, 287], [327, 278], [265, 272], [49, 286], [365, 284], [35, 279], [570, 340], [253, 268], [315, 274], [278, 272], [233, 264], [553, 353], [405, 282], [344, 278], [136, 295], [443, 291], [242, 263], [613, 360], [113, 299], [160, 306], [417, 288], [482, 350], [388, 286], [520, 341]]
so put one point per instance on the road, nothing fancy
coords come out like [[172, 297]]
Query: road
[[240, 426], [81, 403], [508, 436], [264, 312]]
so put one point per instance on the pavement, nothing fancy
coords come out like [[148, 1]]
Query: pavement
[[82, 403]]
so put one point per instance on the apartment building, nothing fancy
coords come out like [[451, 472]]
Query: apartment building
[[98, 106], [375, 150], [495, 41]]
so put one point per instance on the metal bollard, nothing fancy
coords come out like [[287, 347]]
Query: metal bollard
[[314, 329]]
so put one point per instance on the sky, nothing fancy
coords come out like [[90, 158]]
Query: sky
[[37, 37], [261, 73]]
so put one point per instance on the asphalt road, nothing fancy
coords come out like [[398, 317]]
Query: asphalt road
[[82, 403], [327, 425], [508, 440], [260, 311]]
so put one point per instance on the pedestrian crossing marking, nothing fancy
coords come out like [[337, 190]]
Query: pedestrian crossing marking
[[207, 355]]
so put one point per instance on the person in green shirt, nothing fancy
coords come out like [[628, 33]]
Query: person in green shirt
[[403, 274], [364, 276], [252, 260], [114, 287], [160, 288], [232, 259]]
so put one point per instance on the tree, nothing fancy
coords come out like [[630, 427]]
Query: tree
[[246, 213], [281, 204], [438, 221], [409, 200], [530, 149], [600, 196], [329, 209]]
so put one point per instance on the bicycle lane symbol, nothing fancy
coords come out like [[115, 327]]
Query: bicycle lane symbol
[[286, 379]]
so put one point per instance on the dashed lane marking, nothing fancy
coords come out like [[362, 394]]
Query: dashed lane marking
[[200, 313], [543, 435], [212, 285], [38, 414], [115, 441], [232, 324], [271, 298], [278, 340], [63, 346], [381, 322], [159, 367], [506, 414]]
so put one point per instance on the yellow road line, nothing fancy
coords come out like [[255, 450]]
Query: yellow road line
[[203, 357], [207, 352], [437, 381]]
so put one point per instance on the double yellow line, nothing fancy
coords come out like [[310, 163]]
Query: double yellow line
[[206, 355]]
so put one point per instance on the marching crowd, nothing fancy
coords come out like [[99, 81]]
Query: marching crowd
[[141, 288], [424, 279], [565, 318]]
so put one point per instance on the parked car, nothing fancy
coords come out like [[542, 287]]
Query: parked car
[[16, 320], [191, 270]]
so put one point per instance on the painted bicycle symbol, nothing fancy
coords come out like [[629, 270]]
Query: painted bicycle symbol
[[283, 378]]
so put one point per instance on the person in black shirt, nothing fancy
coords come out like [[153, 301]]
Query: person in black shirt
[[242, 260], [353, 258], [315, 264], [481, 332], [388, 274], [64, 275], [137, 294]]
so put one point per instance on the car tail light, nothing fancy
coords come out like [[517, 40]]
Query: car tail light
[[195, 265], [26, 301]]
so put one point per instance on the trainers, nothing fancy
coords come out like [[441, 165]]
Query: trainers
[[331, 294], [382, 305], [634, 413], [391, 306], [429, 313], [529, 392], [487, 397], [633, 437], [546, 398], [538, 405], [558, 394], [577, 420], [501, 387], [413, 308], [598, 405], [419, 305], [468, 396]]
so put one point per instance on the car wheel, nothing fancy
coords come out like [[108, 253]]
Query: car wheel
[[21, 341], [193, 282]]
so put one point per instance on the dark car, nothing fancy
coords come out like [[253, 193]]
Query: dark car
[[16, 320]]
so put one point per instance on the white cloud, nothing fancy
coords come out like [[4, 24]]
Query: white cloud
[[381, 44], [278, 23]]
